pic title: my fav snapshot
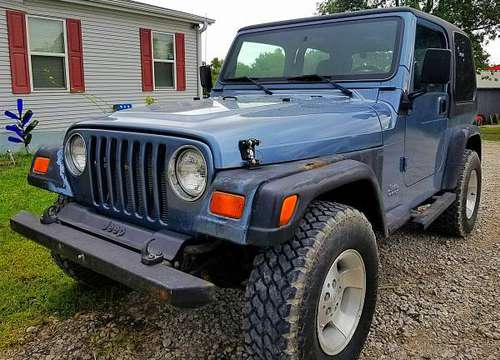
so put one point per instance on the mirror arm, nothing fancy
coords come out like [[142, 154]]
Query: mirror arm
[[406, 103], [413, 95]]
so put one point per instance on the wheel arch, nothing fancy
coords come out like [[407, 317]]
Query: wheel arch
[[460, 139], [474, 144], [367, 200], [349, 182]]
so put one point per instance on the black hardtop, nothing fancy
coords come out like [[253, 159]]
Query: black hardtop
[[450, 28]]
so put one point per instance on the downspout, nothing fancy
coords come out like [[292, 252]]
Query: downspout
[[199, 31]]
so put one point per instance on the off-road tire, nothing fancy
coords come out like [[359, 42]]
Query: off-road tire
[[286, 282], [454, 221], [84, 276]]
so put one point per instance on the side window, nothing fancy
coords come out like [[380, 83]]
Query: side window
[[465, 78], [260, 60], [314, 59], [426, 38]]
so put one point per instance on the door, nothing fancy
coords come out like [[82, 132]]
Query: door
[[427, 122]]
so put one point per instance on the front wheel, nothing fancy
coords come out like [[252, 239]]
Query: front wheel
[[314, 296]]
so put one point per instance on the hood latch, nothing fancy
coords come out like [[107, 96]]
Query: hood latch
[[247, 150]]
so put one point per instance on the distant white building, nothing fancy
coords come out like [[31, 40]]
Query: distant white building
[[488, 92], [73, 59]]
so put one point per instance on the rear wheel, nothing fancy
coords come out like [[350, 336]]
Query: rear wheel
[[459, 219], [84, 276], [314, 296]]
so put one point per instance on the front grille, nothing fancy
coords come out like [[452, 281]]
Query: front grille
[[129, 177]]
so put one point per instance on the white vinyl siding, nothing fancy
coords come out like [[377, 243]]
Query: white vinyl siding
[[112, 64]]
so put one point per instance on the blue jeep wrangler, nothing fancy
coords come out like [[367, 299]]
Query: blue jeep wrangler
[[319, 133]]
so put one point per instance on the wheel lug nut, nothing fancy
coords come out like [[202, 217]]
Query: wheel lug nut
[[327, 296]]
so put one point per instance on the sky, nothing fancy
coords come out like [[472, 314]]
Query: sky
[[230, 15]]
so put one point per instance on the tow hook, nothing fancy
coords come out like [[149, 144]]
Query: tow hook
[[150, 258], [49, 216]]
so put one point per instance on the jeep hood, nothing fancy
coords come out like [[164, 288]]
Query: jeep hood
[[289, 129]]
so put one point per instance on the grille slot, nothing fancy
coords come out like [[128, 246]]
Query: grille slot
[[129, 177]]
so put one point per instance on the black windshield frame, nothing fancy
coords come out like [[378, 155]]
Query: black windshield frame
[[236, 46]]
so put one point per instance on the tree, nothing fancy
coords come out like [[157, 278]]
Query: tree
[[216, 65], [267, 64], [480, 19]]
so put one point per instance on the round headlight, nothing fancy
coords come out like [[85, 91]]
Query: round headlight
[[188, 173], [75, 154]]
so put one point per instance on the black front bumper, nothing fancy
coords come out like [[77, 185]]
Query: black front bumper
[[117, 262]]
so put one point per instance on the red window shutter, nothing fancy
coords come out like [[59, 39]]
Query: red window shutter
[[180, 61], [18, 47], [75, 55], [146, 59]]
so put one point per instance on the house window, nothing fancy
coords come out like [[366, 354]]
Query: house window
[[47, 49], [164, 60]]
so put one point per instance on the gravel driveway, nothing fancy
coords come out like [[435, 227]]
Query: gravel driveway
[[439, 298]]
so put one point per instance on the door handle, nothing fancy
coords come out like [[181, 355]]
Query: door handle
[[443, 106]]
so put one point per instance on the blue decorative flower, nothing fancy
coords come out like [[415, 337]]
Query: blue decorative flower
[[23, 125]]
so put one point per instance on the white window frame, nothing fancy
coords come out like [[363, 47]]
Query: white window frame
[[60, 55], [174, 61]]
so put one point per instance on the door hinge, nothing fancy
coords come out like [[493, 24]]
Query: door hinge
[[402, 164]]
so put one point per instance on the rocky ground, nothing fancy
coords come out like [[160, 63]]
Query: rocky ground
[[439, 299]]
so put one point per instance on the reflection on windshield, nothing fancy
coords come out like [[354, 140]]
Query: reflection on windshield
[[355, 49]]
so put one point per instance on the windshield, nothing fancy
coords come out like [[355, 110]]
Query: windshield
[[349, 50]]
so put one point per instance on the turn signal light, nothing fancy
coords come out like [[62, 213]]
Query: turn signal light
[[288, 209], [227, 205], [41, 165]]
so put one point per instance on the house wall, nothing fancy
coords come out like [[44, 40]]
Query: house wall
[[112, 66]]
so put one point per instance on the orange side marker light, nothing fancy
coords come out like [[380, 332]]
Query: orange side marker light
[[41, 165], [288, 209], [227, 205]]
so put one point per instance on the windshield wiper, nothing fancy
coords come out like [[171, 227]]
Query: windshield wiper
[[317, 77], [253, 81]]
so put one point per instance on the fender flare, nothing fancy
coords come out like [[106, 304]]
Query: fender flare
[[454, 157], [55, 180], [308, 185]]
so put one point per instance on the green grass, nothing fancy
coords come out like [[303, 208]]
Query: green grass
[[32, 288], [490, 133]]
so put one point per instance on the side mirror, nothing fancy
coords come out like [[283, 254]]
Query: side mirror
[[206, 78], [436, 67]]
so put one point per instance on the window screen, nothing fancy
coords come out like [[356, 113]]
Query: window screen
[[164, 60], [47, 49]]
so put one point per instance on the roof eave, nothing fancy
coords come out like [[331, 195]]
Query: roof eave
[[144, 9]]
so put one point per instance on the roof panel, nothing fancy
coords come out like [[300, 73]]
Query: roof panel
[[421, 14]]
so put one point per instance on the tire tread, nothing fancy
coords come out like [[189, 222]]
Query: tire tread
[[278, 282]]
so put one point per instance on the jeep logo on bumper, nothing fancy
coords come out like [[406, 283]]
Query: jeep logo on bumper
[[115, 229]]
